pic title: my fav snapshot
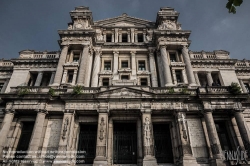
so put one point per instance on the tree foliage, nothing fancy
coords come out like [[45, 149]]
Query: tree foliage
[[232, 4]]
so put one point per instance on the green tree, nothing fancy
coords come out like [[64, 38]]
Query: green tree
[[231, 5]]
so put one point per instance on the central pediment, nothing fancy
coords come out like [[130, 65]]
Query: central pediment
[[124, 21]]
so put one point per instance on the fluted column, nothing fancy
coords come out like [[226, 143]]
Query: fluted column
[[166, 67], [133, 65], [189, 68], [5, 127], [148, 138], [209, 78], [83, 66], [115, 65], [102, 139], [196, 78], [37, 132], [243, 128], [96, 67], [39, 78], [212, 133], [52, 77], [243, 86], [59, 70], [152, 67]]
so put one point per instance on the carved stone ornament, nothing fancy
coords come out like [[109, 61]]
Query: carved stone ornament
[[99, 36], [65, 128], [70, 27], [167, 25], [147, 131], [102, 129], [81, 24]]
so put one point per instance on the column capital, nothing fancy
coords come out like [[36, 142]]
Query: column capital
[[71, 111], [163, 46], [9, 111], [184, 46], [115, 52], [146, 110], [98, 51], [208, 72], [44, 111], [151, 50], [132, 52]]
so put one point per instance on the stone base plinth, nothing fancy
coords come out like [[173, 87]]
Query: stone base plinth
[[189, 161], [149, 161], [100, 161]]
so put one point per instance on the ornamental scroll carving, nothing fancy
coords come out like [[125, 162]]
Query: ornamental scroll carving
[[65, 128], [102, 129]]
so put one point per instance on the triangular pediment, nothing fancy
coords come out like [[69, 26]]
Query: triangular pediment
[[124, 92], [124, 21]]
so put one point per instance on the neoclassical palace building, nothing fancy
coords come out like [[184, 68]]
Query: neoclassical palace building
[[124, 91]]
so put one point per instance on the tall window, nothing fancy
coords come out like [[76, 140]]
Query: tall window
[[124, 64], [140, 37], [223, 134], [144, 81], [124, 37], [70, 76], [178, 74], [141, 65], [108, 37], [172, 57], [125, 77], [76, 57], [107, 65]]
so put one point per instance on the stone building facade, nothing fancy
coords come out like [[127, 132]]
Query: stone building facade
[[123, 91]]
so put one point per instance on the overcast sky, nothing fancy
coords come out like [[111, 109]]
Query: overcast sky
[[33, 24]]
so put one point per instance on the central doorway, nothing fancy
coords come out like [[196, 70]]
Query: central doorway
[[125, 143]]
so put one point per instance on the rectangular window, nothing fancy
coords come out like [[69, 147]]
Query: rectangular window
[[172, 57], [124, 37], [107, 65], [70, 76], [1, 86], [140, 37], [144, 81], [108, 37], [125, 77], [105, 81], [141, 65], [223, 134], [124, 64], [247, 87], [178, 76], [76, 57]]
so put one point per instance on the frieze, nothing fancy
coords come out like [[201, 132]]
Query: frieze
[[81, 106], [143, 72], [106, 72], [169, 25], [80, 38], [172, 39]]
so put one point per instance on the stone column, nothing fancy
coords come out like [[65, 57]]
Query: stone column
[[166, 73], [89, 69], [144, 37], [184, 75], [237, 133], [102, 139], [5, 85], [139, 143], [189, 68], [39, 78], [83, 66], [74, 77], [209, 78], [213, 136], [160, 69], [96, 67], [110, 142], [5, 127], [52, 77], [129, 37], [120, 37], [66, 137], [174, 77], [116, 35], [148, 139], [152, 67], [113, 38], [65, 73], [132, 35], [37, 133], [242, 128], [59, 70], [196, 78], [244, 90], [115, 66], [104, 37], [133, 65], [136, 38]]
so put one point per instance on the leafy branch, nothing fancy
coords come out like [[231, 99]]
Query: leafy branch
[[232, 4]]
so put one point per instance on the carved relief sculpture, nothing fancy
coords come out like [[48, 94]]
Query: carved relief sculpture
[[147, 135], [65, 127], [101, 129]]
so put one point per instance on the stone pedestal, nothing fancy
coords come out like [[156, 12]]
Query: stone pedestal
[[9, 115], [148, 139], [102, 139], [65, 143], [59, 70]]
